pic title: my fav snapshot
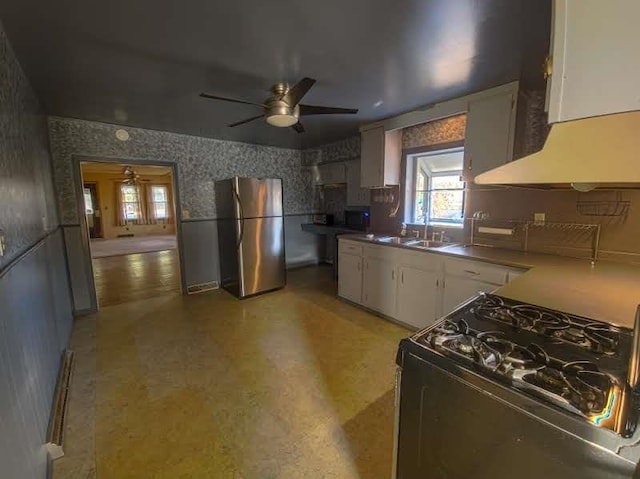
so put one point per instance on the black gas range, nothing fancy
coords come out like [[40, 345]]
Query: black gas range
[[537, 382]]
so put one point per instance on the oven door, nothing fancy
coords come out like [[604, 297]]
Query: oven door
[[450, 428]]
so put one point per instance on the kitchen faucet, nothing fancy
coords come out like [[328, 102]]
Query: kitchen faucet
[[434, 235]]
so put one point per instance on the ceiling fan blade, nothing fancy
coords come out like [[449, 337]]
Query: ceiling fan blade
[[297, 91], [325, 110], [232, 100], [298, 127], [244, 121]]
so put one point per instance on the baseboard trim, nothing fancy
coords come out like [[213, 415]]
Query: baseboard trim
[[55, 436]]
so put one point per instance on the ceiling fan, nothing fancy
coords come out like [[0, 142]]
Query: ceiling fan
[[130, 176], [283, 107]]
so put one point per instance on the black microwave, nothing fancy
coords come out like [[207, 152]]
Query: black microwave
[[356, 219]]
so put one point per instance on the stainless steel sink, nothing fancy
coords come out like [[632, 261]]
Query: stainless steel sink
[[394, 240], [428, 244], [410, 242]]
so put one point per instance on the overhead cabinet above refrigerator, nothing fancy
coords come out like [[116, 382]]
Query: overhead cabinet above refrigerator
[[250, 235]]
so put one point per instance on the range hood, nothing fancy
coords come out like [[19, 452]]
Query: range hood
[[586, 153]]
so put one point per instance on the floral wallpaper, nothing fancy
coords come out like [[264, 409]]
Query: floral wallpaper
[[200, 162], [341, 150], [435, 132], [26, 189]]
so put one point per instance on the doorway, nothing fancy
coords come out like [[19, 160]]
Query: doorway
[[92, 210], [131, 225]]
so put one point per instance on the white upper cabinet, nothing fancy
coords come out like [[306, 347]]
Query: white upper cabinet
[[356, 196], [380, 154], [490, 133], [595, 60]]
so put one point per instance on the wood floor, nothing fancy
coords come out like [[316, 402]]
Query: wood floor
[[291, 384], [120, 279]]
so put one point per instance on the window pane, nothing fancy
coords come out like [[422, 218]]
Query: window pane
[[446, 206], [129, 194], [159, 193], [160, 211], [446, 182], [131, 211], [421, 180], [420, 208], [88, 201]]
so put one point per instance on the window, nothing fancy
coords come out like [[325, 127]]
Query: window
[[437, 191], [159, 202], [130, 202], [88, 202]]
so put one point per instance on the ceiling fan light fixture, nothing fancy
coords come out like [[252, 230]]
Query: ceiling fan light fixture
[[279, 114], [282, 121]]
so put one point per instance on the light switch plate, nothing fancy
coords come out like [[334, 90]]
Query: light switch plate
[[539, 218]]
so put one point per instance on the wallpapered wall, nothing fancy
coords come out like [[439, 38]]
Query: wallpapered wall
[[26, 189], [340, 150], [200, 162], [435, 132], [35, 307]]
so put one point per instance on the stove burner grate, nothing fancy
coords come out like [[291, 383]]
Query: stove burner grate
[[596, 337]]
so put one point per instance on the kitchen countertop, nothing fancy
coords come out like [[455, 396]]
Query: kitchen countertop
[[608, 291], [327, 229]]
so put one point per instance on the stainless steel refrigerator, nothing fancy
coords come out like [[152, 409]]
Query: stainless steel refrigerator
[[250, 235]]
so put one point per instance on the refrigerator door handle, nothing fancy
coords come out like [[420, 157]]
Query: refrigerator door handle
[[241, 219]]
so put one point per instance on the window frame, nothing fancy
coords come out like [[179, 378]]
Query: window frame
[[124, 202], [153, 202], [410, 173], [430, 190]]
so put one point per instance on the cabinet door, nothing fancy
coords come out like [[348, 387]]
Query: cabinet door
[[379, 286], [595, 49], [372, 157], [417, 297], [459, 290], [489, 135], [350, 277]]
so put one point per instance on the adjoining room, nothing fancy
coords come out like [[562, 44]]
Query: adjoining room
[[130, 219]]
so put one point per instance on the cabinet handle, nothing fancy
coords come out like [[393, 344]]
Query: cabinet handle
[[358, 265], [393, 274], [402, 277], [437, 283], [470, 165], [471, 272]]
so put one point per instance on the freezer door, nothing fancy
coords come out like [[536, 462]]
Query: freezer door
[[261, 255], [256, 197]]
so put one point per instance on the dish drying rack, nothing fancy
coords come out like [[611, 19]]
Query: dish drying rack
[[614, 206], [520, 231]]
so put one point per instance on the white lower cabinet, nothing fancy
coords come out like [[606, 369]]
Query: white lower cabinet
[[350, 275], [458, 290], [379, 285], [414, 287], [418, 292]]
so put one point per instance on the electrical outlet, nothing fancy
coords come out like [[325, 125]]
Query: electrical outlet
[[539, 218], [3, 244]]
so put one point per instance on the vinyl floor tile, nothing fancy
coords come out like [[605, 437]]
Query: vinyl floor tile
[[291, 384]]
